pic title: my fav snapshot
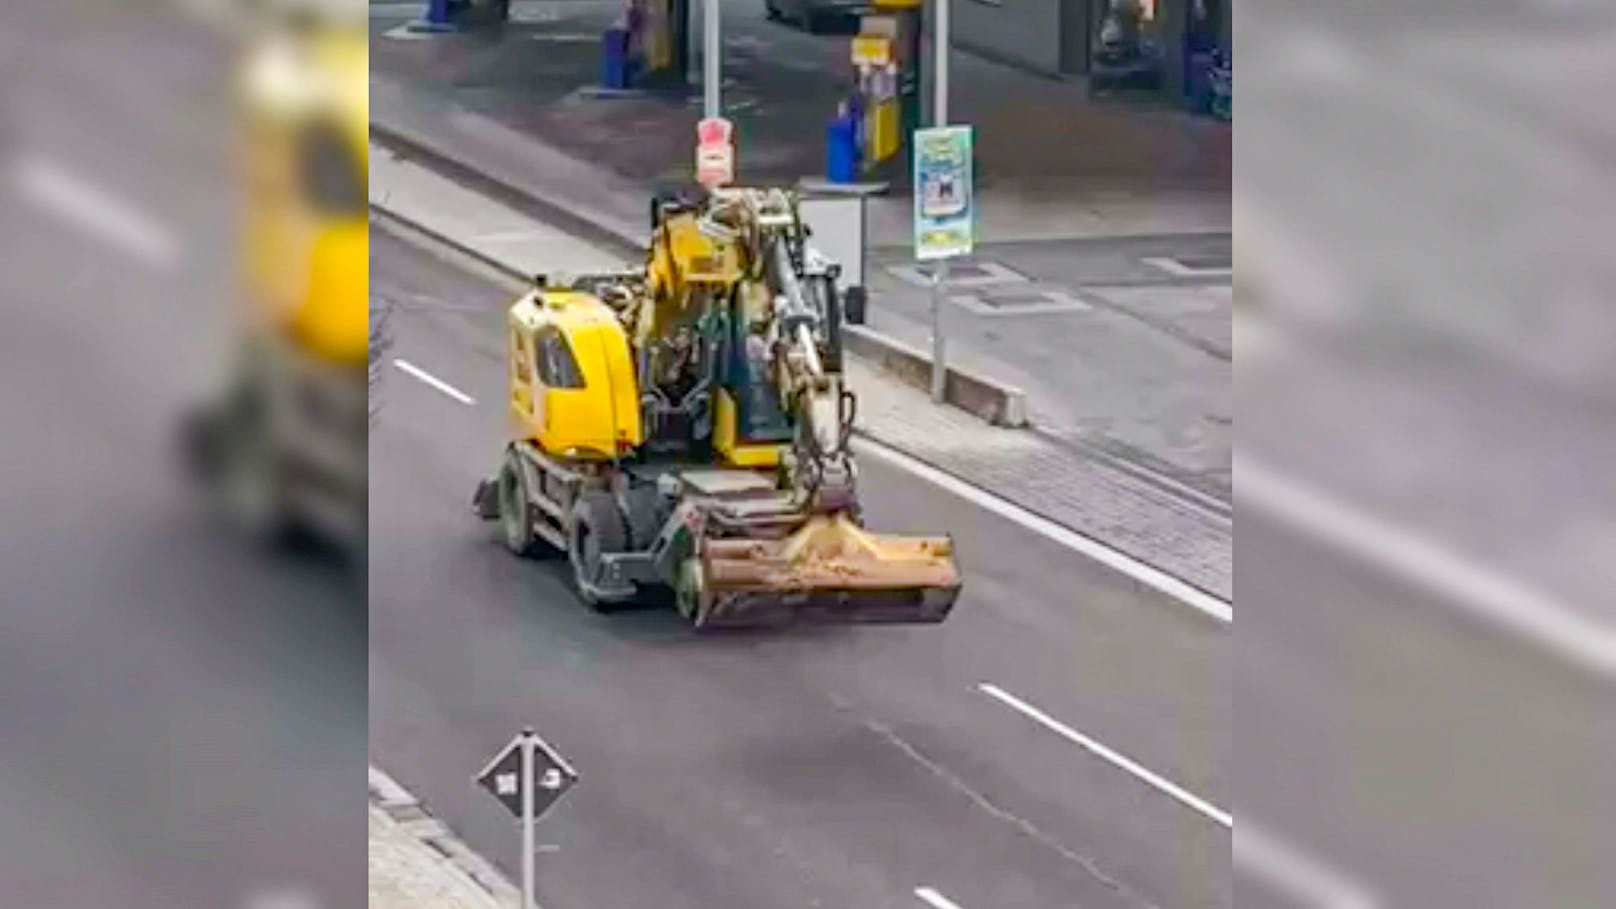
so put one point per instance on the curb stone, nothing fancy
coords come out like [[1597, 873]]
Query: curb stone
[[436, 851]]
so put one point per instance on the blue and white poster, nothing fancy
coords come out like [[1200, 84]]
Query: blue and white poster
[[945, 213]]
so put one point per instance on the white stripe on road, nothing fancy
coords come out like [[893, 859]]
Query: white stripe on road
[[1119, 561], [934, 899], [51, 185], [1296, 874], [1120, 760], [1179, 270], [1504, 601], [434, 381]]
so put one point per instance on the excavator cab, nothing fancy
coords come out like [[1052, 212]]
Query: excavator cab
[[283, 448], [306, 117], [572, 385]]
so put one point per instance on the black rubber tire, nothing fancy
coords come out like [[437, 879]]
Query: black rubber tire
[[854, 303], [644, 515], [690, 591], [596, 527], [250, 478], [515, 515]]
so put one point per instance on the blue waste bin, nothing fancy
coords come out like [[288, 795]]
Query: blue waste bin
[[614, 70], [841, 150], [855, 113]]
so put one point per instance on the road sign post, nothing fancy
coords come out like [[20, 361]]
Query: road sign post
[[528, 902], [712, 68], [944, 223], [944, 207], [528, 777]]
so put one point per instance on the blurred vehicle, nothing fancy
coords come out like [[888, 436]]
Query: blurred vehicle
[[817, 15], [283, 449]]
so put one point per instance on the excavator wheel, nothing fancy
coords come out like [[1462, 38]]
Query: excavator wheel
[[515, 515], [248, 472], [596, 528], [691, 591]]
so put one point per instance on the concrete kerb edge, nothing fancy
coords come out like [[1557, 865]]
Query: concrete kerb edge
[[1000, 405], [398, 807], [392, 219], [991, 401], [583, 226]]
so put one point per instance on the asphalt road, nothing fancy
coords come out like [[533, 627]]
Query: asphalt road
[[1399, 732], [1422, 755], [827, 768], [1435, 358], [183, 715]]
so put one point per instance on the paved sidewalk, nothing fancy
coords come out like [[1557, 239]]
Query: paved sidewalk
[[1115, 354], [1182, 534], [416, 863]]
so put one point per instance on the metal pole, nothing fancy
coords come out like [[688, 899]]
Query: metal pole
[[940, 82], [939, 367], [712, 48], [939, 282], [527, 820]]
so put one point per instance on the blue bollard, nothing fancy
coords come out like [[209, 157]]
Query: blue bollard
[[841, 150], [614, 62], [439, 18], [855, 114]]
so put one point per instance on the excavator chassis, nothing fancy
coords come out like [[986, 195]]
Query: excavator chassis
[[734, 550]]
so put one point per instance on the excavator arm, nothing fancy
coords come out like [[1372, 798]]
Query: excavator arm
[[801, 341]]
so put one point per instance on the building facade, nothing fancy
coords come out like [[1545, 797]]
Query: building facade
[[1057, 37]]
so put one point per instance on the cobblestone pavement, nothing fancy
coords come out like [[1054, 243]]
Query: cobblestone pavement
[[416, 863]]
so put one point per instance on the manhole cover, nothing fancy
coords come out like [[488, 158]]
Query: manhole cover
[[960, 274], [1020, 302]]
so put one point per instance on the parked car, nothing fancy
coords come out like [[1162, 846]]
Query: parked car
[[816, 15]]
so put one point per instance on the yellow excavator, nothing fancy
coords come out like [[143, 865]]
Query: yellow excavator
[[684, 427], [283, 448]]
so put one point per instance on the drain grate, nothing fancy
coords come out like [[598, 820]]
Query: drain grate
[[960, 274], [1020, 302]]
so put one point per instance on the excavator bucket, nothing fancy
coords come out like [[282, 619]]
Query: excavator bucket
[[831, 571]]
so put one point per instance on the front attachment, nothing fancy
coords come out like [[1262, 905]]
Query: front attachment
[[831, 571]]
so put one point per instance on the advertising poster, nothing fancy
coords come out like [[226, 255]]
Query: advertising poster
[[944, 213]]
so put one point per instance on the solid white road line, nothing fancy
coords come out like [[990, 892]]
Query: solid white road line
[[52, 186], [934, 899], [434, 381], [1114, 559], [1496, 598], [1297, 875], [1120, 760]]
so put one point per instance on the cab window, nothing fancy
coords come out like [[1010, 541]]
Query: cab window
[[331, 175], [520, 360], [557, 367]]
